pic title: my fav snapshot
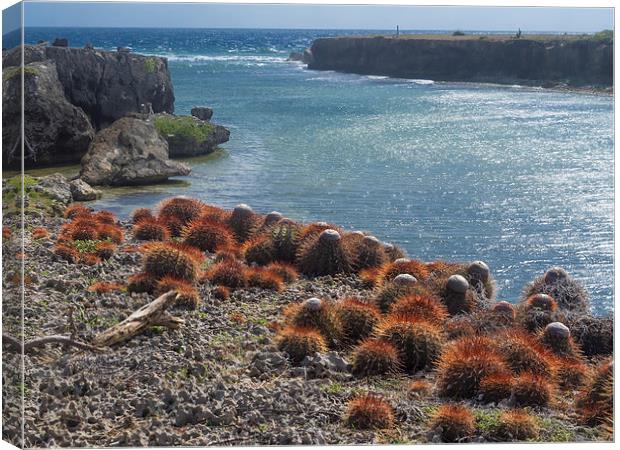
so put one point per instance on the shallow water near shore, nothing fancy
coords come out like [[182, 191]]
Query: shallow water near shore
[[519, 177]]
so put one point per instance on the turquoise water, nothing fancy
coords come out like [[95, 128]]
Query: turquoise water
[[521, 178]]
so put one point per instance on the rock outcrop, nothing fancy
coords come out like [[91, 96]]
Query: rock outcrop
[[129, 152], [555, 60], [202, 112], [82, 191], [189, 136], [56, 131], [71, 92]]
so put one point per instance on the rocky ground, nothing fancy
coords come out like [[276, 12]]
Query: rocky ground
[[217, 380]]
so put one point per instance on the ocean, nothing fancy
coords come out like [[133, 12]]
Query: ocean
[[521, 178]]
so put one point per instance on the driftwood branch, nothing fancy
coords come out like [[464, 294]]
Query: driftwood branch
[[14, 344], [149, 315]]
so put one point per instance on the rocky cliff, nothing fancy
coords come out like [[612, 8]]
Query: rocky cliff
[[70, 93], [547, 61]]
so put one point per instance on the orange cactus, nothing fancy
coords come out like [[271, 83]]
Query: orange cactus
[[40, 233], [529, 389], [168, 259], [101, 287], [524, 354], [141, 282], [65, 252], [286, 271], [358, 319], [299, 342], [110, 232], [495, 387], [264, 279], [105, 217], [76, 210], [221, 292], [464, 363], [105, 249], [369, 412], [375, 357], [427, 307], [207, 235], [183, 209], [141, 214], [453, 422], [230, 274], [150, 229]]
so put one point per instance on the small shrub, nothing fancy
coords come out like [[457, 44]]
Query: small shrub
[[299, 342], [183, 127], [369, 412], [453, 423], [458, 33]]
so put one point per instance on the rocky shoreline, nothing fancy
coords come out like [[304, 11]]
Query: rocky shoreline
[[223, 378], [101, 108], [565, 63]]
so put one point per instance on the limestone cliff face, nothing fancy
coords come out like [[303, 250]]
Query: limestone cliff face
[[106, 85], [576, 62]]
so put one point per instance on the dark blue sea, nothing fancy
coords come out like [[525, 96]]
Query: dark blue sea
[[519, 177]]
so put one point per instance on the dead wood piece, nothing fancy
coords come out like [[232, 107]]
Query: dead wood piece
[[14, 344], [149, 315]]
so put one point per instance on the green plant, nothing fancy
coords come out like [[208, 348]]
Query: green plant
[[603, 35], [369, 412], [463, 365], [453, 423], [458, 33], [183, 127], [325, 255], [357, 319], [374, 357], [299, 342], [12, 72], [87, 246], [418, 342], [150, 64]]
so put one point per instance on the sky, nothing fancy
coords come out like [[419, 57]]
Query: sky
[[314, 17]]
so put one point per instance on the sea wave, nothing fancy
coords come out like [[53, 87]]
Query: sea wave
[[243, 59]]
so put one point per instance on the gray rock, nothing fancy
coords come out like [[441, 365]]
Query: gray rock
[[129, 152], [82, 191], [60, 42], [183, 145], [328, 365], [56, 131], [202, 112], [295, 56], [55, 186]]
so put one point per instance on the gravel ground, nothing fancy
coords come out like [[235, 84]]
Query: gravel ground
[[217, 380]]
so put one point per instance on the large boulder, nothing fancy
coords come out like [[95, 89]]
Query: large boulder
[[202, 112], [56, 131], [81, 191], [190, 136], [106, 85], [129, 152]]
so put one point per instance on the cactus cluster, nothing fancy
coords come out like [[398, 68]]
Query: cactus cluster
[[369, 412], [453, 423]]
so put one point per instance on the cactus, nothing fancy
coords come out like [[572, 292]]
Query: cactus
[[299, 342], [425, 307], [182, 208], [393, 252], [102, 287], [529, 389], [505, 309], [285, 236], [556, 336], [264, 279], [173, 224], [317, 314], [463, 365], [141, 214], [495, 387], [112, 233], [105, 217], [412, 267], [595, 403], [89, 259], [258, 250], [230, 274], [83, 230], [286, 271], [572, 373], [369, 253], [187, 295], [523, 353], [40, 233], [166, 259], [460, 326], [374, 357], [564, 289], [221, 292], [105, 250], [457, 295], [593, 334], [150, 230], [207, 235], [479, 277], [75, 210], [324, 255], [243, 222], [419, 342], [369, 412], [542, 302], [65, 252], [357, 319], [453, 423], [402, 285], [516, 425], [141, 282]]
